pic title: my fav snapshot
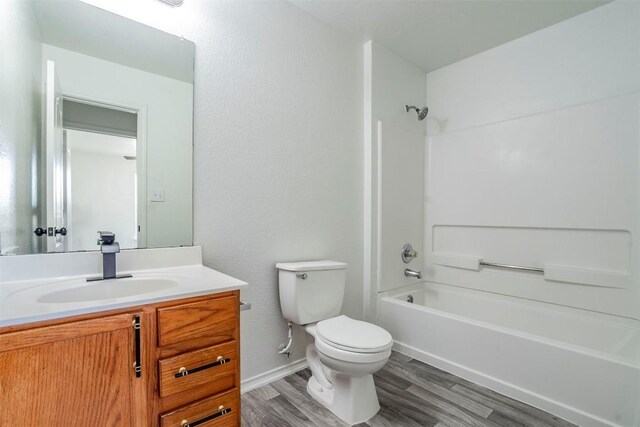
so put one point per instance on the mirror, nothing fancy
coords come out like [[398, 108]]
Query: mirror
[[96, 121]]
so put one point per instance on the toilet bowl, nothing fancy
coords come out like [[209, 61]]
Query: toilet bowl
[[343, 353]]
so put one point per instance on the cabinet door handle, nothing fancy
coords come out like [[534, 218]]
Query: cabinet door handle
[[183, 372], [137, 365], [221, 411]]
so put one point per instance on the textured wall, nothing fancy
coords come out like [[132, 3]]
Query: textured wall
[[20, 80], [278, 151]]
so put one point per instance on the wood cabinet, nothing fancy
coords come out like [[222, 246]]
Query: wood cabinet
[[70, 374], [82, 371]]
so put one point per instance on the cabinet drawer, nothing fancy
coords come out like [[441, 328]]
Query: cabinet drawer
[[202, 372], [215, 318], [220, 411]]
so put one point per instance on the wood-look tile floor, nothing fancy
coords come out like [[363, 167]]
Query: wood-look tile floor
[[411, 394]]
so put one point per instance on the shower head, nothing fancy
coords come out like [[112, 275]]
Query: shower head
[[421, 112]]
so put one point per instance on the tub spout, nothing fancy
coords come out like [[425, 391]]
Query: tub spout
[[411, 273]]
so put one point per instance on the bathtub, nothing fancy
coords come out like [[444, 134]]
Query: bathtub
[[579, 365]]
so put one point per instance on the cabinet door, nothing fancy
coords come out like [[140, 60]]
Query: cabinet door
[[75, 374]]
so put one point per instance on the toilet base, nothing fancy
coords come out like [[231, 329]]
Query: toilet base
[[352, 399]]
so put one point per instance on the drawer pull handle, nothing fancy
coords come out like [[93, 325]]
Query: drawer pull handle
[[221, 411], [137, 365], [183, 372]]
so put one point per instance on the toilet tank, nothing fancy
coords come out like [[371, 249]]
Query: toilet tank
[[311, 291]]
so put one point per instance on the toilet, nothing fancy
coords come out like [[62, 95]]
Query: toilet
[[342, 353]]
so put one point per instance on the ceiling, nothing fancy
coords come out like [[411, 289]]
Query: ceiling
[[435, 33]]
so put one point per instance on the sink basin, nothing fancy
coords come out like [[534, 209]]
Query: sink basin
[[107, 289]]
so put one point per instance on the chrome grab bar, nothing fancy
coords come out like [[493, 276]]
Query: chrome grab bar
[[512, 267]]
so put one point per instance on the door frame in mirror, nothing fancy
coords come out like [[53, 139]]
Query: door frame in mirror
[[54, 159], [141, 152]]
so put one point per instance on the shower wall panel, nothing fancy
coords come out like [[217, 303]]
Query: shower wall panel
[[394, 151], [533, 155]]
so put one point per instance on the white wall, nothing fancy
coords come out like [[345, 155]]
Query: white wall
[[103, 190], [534, 159], [395, 168], [168, 105], [278, 151], [20, 112]]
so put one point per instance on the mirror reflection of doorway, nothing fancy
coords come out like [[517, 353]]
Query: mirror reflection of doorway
[[100, 175], [101, 189]]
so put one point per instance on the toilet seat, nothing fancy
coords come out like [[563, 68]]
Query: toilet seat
[[351, 356], [352, 336]]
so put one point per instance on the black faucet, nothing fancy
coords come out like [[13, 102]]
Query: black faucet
[[109, 248]]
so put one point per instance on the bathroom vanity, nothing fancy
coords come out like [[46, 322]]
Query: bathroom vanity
[[163, 357], [159, 348]]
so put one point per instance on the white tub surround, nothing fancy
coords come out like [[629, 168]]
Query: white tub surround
[[50, 286], [538, 166], [582, 366], [394, 170], [532, 160]]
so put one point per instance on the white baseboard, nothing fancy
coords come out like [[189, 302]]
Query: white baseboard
[[272, 375], [569, 413]]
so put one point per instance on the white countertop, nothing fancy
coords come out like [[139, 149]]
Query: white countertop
[[19, 299]]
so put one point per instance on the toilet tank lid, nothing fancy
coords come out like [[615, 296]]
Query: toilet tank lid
[[311, 265]]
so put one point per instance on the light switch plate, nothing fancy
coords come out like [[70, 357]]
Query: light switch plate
[[157, 194]]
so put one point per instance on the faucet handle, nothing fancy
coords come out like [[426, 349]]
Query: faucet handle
[[106, 237], [408, 253]]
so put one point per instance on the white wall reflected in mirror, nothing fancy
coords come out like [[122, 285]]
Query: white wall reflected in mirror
[[102, 190]]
